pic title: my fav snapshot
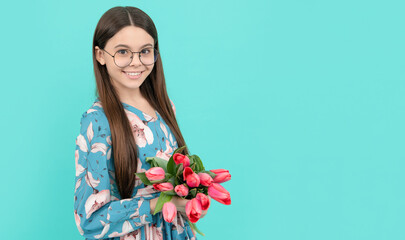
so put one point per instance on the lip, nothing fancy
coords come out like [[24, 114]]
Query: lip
[[132, 77], [133, 71]]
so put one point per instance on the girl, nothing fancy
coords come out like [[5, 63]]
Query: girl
[[132, 118]]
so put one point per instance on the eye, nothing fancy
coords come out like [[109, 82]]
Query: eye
[[146, 51], [122, 52]]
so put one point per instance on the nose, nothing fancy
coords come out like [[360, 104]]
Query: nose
[[136, 61]]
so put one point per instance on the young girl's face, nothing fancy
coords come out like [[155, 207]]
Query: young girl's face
[[134, 39]]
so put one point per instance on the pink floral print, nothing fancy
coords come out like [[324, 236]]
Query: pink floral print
[[99, 210]]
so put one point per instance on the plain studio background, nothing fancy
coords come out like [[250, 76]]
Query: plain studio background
[[303, 101]]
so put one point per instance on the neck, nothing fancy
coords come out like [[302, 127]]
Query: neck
[[133, 97], [129, 95]]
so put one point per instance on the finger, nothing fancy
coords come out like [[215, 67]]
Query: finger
[[204, 213]]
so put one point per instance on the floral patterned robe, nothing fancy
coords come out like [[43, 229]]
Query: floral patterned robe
[[99, 211]]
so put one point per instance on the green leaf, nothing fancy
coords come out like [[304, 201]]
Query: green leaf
[[160, 162], [171, 180], [163, 198], [179, 170], [198, 167], [166, 179], [202, 189], [150, 160], [193, 192], [179, 150], [192, 166], [157, 181], [191, 160], [210, 173], [143, 178], [157, 162], [179, 176], [194, 227], [168, 176], [171, 166], [205, 191], [171, 192], [199, 163]]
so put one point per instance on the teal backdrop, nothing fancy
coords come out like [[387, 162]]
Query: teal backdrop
[[303, 102]]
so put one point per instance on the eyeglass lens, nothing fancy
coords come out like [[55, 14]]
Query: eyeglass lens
[[147, 56]]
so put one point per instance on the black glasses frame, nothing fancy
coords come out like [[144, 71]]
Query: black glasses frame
[[156, 52]]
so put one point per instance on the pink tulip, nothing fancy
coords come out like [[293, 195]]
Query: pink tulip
[[192, 179], [205, 179], [180, 158], [181, 190], [204, 199], [222, 175], [193, 210], [155, 173], [169, 211], [163, 186], [219, 193]]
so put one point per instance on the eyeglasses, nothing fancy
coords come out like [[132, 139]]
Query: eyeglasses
[[123, 57]]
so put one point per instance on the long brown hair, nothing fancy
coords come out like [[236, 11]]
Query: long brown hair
[[153, 89]]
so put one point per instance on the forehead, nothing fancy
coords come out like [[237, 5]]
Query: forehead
[[134, 37]]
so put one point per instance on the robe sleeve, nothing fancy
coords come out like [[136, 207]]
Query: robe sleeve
[[96, 214]]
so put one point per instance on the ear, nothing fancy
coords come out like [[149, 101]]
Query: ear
[[99, 55]]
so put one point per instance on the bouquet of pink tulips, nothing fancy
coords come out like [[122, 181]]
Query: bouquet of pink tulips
[[186, 177]]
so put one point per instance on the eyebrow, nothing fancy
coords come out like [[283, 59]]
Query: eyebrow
[[123, 45]]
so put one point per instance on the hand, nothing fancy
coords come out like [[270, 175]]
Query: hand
[[176, 200], [203, 213], [180, 203], [181, 206]]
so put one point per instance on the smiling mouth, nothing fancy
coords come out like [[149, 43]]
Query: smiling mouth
[[133, 73]]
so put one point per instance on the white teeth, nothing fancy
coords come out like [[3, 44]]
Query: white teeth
[[133, 74]]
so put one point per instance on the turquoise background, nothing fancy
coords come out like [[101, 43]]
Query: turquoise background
[[303, 101]]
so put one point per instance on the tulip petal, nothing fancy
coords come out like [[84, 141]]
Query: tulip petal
[[193, 210], [219, 193], [169, 211], [204, 200]]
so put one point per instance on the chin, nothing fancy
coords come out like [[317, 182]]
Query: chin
[[133, 86]]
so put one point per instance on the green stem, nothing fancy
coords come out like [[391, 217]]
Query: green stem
[[194, 227]]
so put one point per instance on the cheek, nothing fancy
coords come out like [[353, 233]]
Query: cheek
[[148, 70], [112, 69]]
